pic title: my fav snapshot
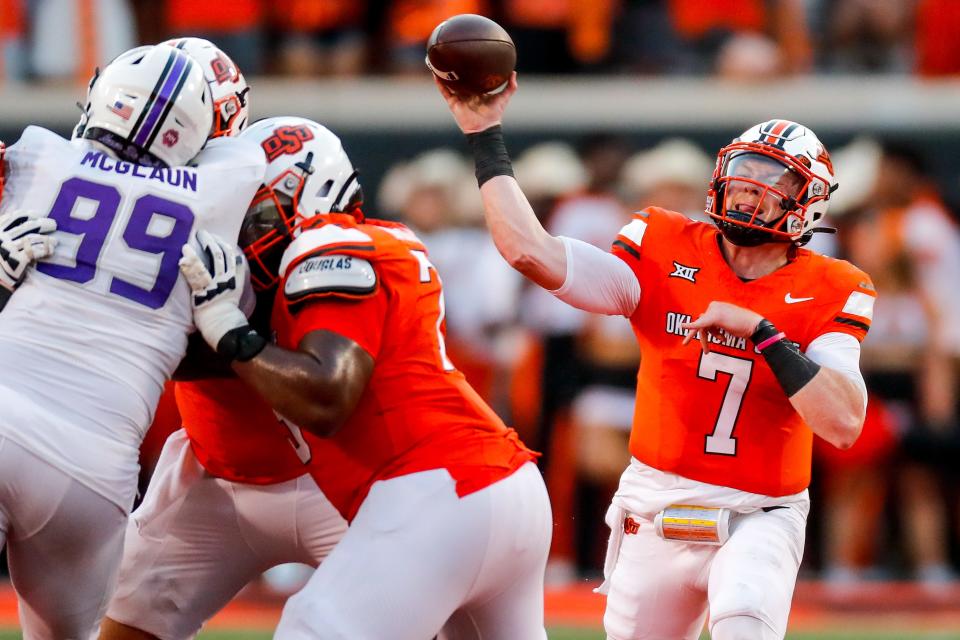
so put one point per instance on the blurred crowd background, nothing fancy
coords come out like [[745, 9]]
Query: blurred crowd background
[[54, 39], [886, 509]]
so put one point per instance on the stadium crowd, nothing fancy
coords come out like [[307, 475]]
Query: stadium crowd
[[740, 39]]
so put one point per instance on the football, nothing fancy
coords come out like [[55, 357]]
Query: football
[[471, 54]]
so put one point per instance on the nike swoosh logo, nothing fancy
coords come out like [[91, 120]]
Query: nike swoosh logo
[[791, 300]]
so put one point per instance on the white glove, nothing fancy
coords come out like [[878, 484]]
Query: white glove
[[23, 241], [216, 288]]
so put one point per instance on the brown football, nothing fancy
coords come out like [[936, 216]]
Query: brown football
[[471, 54]]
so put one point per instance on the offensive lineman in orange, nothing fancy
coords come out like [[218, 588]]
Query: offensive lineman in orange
[[449, 518], [750, 346]]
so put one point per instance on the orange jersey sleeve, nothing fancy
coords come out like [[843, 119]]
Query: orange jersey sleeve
[[641, 237], [849, 296], [360, 320]]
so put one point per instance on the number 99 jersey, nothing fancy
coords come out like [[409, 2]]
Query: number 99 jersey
[[96, 328], [373, 283], [721, 417]]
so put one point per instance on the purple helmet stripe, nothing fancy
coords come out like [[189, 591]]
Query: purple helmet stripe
[[179, 65]]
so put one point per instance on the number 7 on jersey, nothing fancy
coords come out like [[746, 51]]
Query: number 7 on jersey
[[425, 267]]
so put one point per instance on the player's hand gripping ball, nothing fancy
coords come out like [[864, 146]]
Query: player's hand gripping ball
[[471, 54]]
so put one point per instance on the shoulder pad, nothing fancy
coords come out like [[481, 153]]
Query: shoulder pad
[[229, 153], [402, 233], [659, 215], [33, 139], [856, 286], [634, 230], [325, 239], [33, 133], [840, 275], [331, 274]]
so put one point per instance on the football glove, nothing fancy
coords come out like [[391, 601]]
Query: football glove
[[216, 282], [23, 241]]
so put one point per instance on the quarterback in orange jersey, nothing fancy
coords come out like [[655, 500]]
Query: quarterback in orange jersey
[[230, 496], [449, 517], [750, 346]]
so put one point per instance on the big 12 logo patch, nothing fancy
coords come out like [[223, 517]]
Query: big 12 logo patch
[[286, 140]]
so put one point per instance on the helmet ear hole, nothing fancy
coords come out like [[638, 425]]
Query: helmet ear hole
[[324, 189]]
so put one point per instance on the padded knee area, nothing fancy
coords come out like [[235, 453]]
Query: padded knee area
[[312, 618], [742, 628]]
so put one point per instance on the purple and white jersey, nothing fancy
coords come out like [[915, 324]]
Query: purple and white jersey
[[89, 338]]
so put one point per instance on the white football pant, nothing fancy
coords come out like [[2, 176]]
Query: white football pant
[[64, 543], [664, 589], [197, 540], [417, 559]]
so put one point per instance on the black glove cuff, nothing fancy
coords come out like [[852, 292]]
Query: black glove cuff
[[490, 154], [792, 369], [765, 330], [242, 344]]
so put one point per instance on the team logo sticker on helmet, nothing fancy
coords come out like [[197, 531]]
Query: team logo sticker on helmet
[[286, 140], [121, 109], [228, 87], [223, 69], [824, 158], [170, 137]]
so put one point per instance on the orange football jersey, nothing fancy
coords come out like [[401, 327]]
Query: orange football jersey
[[417, 412], [235, 435], [721, 417]]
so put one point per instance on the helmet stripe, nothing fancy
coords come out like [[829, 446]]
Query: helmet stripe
[[153, 97], [786, 134], [173, 82], [170, 103], [774, 134]]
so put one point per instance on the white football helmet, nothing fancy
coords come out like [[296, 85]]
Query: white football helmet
[[781, 162], [150, 105], [231, 111], [308, 174]]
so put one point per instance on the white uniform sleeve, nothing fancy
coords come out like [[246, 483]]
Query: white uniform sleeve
[[840, 352], [26, 168], [597, 281], [232, 170]]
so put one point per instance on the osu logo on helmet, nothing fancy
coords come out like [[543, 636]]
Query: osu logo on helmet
[[824, 158], [223, 69], [286, 140]]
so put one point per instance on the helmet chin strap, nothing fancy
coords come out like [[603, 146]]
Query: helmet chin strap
[[122, 148], [743, 236]]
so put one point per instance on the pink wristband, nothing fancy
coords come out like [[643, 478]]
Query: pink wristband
[[769, 341]]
